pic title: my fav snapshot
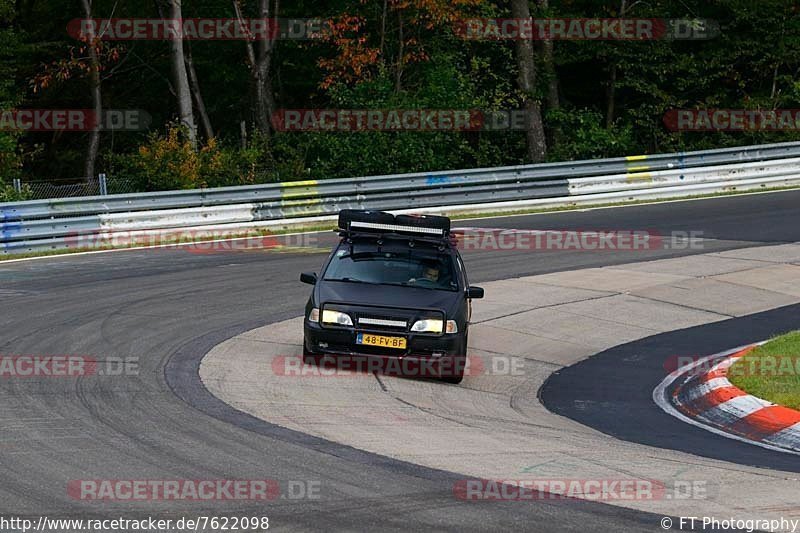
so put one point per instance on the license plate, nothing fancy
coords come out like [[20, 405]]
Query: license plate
[[380, 340]]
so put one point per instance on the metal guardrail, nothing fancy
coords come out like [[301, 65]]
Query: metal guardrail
[[54, 224]]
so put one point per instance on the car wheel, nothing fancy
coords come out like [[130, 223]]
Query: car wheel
[[457, 366], [311, 358], [455, 373]]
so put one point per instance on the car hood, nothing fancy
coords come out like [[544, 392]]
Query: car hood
[[388, 296]]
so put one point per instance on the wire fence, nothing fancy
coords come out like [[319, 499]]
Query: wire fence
[[70, 188]]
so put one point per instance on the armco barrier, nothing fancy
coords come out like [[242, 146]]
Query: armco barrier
[[48, 224]]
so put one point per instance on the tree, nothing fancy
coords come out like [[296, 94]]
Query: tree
[[180, 77], [97, 96], [536, 144], [259, 60], [608, 98], [10, 46], [197, 94], [611, 89], [546, 50]]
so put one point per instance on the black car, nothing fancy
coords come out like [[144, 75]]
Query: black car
[[393, 289]]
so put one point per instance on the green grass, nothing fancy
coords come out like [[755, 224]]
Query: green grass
[[772, 371], [459, 216]]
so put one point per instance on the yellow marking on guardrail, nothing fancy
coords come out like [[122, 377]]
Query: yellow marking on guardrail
[[640, 176], [300, 203], [300, 197], [636, 157], [305, 183], [299, 189], [639, 169]]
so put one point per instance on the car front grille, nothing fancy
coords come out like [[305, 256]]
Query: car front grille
[[383, 323], [395, 321]]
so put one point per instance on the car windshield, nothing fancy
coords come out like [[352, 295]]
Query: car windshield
[[407, 268]]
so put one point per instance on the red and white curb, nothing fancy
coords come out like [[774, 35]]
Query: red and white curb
[[705, 398]]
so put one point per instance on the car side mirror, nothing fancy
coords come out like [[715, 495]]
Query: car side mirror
[[474, 292], [309, 277]]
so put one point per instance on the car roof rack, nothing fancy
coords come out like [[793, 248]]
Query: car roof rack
[[441, 241], [354, 224]]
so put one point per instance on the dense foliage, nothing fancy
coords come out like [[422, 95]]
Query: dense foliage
[[379, 54]]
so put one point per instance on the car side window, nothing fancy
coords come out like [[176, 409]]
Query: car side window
[[462, 271]]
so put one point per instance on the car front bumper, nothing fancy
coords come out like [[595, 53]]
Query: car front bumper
[[342, 341]]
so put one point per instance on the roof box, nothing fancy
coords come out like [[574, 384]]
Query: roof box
[[358, 221]]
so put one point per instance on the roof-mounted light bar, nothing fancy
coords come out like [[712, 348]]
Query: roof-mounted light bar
[[396, 228]]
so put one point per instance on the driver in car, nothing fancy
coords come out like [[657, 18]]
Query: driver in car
[[431, 274]]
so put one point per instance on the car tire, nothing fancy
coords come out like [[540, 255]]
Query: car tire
[[458, 376], [459, 364], [311, 358]]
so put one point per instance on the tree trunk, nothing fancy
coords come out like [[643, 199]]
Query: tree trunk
[[260, 78], [546, 49], [263, 100], [398, 80], [197, 94], [184, 94], [537, 146], [611, 90], [97, 100], [553, 101], [383, 27]]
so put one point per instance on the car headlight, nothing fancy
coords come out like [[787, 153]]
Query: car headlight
[[336, 317], [428, 325], [451, 327], [313, 316]]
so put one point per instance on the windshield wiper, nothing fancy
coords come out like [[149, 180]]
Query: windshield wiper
[[407, 284], [351, 280]]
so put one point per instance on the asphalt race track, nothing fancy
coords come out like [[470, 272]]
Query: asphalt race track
[[168, 307], [612, 391]]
